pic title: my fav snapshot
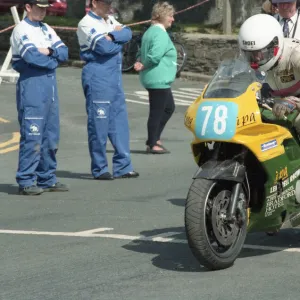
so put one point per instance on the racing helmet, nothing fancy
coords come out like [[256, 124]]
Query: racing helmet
[[261, 41]]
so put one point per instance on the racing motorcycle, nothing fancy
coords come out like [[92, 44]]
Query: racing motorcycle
[[249, 166]]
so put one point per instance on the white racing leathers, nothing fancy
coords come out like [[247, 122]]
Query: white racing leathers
[[284, 78]]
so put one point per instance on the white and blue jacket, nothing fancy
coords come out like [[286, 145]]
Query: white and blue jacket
[[91, 33], [26, 38]]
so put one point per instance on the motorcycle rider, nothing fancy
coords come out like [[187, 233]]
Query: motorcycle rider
[[262, 42]]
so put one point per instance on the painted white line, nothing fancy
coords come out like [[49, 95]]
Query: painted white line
[[144, 95], [178, 94], [191, 90], [51, 233], [192, 94], [181, 103], [96, 230], [161, 238], [134, 101], [141, 97], [2, 120], [184, 94]]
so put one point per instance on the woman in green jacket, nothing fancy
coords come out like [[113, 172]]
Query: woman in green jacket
[[157, 66]]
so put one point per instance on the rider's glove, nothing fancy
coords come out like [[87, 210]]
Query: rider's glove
[[286, 106]]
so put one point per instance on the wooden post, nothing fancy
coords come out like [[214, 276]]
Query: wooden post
[[227, 17]]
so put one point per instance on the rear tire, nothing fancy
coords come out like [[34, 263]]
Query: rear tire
[[205, 224]]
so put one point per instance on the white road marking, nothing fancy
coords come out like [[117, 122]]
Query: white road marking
[[142, 93], [175, 98], [184, 95], [138, 102], [190, 94], [191, 90], [181, 96], [146, 103], [161, 238], [96, 230], [182, 101]]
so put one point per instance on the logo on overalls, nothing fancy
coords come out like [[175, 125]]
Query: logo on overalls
[[34, 129], [101, 113], [25, 38], [49, 38], [91, 33]]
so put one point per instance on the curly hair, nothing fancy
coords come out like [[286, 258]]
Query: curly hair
[[162, 9]]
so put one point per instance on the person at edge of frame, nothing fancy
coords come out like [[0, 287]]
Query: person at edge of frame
[[37, 52], [288, 17], [269, 8]]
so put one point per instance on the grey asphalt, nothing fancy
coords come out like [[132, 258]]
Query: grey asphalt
[[65, 267]]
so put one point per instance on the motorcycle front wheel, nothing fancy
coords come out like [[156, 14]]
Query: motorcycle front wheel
[[213, 240]]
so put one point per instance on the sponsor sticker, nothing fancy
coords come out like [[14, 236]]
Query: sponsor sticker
[[269, 145]]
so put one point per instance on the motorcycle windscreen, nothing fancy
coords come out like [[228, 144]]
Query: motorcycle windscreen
[[232, 79]]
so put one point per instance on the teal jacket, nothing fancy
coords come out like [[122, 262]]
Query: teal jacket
[[159, 57]]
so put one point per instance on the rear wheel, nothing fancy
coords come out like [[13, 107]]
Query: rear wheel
[[129, 54], [213, 240]]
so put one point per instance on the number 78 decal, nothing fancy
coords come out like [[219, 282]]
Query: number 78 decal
[[216, 120]]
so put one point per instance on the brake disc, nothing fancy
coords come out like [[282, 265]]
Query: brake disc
[[225, 232]]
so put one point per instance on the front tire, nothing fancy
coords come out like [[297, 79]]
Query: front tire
[[213, 241]]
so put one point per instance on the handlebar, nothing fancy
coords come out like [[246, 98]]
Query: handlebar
[[266, 102]]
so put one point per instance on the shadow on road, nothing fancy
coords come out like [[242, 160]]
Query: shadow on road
[[170, 256], [131, 151], [177, 202], [68, 174], [9, 189], [178, 256]]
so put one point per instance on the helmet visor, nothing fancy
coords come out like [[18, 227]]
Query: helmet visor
[[259, 57]]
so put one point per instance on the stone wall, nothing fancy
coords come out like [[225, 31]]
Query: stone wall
[[209, 13], [204, 51]]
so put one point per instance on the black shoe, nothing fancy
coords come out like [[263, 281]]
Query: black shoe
[[105, 176], [162, 151], [57, 187], [132, 174], [31, 190]]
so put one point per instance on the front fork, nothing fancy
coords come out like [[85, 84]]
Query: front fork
[[231, 213], [237, 205]]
